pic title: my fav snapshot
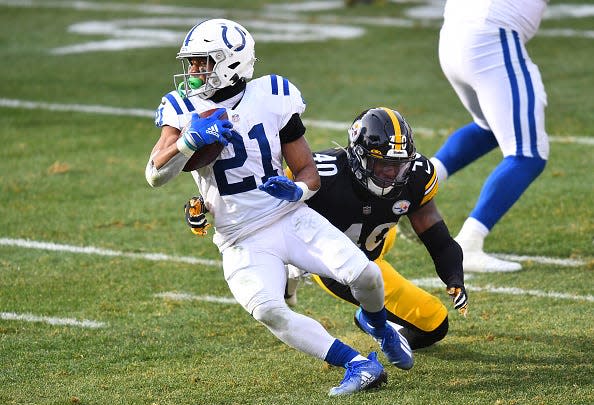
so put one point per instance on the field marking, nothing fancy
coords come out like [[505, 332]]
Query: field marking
[[85, 323], [177, 296], [423, 282], [429, 282], [434, 282], [542, 260], [57, 247], [280, 23], [322, 124]]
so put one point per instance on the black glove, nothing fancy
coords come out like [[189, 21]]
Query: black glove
[[195, 211], [459, 298]]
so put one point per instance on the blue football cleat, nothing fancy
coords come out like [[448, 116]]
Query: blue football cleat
[[361, 375], [393, 344]]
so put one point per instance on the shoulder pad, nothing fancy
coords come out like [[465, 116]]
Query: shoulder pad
[[424, 173]]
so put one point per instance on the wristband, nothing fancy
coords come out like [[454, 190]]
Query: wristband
[[183, 146], [307, 193]]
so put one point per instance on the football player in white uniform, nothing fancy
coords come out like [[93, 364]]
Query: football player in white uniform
[[260, 218], [483, 55]]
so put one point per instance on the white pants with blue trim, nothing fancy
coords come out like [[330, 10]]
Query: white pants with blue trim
[[498, 84]]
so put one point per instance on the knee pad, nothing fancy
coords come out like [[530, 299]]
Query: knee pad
[[368, 288], [370, 279], [274, 315]]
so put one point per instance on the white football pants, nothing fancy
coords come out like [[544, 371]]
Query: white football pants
[[255, 272], [498, 84]]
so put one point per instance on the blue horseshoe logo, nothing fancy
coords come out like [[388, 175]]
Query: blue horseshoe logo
[[227, 41]]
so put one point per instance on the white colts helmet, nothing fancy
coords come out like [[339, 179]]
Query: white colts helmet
[[230, 46]]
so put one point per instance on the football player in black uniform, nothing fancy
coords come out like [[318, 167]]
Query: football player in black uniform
[[366, 189]]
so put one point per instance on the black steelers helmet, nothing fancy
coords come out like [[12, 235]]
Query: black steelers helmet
[[381, 151]]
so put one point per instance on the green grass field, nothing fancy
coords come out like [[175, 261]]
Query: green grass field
[[88, 313]]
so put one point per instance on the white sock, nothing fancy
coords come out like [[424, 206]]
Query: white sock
[[472, 234], [442, 173]]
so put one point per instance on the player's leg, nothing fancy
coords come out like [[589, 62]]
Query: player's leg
[[254, 270], [473, 140], [257, 279], [421, 318], [513, 100], [463, 146], [320, 248]]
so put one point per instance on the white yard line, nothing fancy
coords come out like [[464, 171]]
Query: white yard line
[[85, 323], [177, 296], [57, 247], [421, 282], [139, 112], [542, 260], [433, 282], [30, 244]]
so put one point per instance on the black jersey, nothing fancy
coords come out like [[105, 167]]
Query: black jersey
[[362, 216]]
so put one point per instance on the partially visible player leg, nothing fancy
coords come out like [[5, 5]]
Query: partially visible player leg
[[515, 113], [293, 277], [417, 315], [470, 142], [329, 253], [464, 146], [502, 189], [374, 322], [503, 91], [257, 281], [423, 316]]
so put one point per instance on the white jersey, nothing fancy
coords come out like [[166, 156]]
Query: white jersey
[[229, 185], [522, 16]]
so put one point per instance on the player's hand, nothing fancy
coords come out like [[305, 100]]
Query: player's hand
[[204, 131], [283, 188], [459, 298], [195, 211]]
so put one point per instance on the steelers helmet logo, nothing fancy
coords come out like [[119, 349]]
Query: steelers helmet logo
[[354, 131]]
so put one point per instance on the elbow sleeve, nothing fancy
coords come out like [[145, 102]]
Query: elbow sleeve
[[157, 177]]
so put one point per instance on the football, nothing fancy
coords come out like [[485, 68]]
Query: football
[[208, 153]]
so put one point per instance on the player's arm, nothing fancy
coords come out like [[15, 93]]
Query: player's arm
[[297, 154], [444, 250], [299, 159], [165, 148], [165, 161], [174, 147]]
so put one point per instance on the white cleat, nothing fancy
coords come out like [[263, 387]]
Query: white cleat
[[480, 262], [477, 261]]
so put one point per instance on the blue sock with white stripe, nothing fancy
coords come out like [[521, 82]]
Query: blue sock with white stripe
[[464, 146], [504, 186]]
